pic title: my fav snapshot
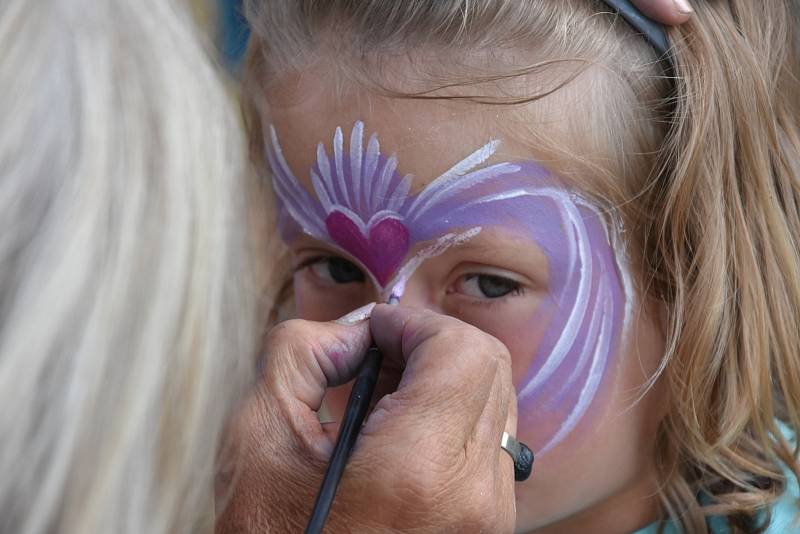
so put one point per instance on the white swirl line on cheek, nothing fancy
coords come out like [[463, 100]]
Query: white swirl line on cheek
[[585, 348], [573, 252], [592, 383], [614, 238], [572, 326]]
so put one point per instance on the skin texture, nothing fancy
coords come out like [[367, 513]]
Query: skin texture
[[427, 458], [601, 476]]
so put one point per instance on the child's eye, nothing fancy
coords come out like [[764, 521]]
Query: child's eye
[[487, 286], [337, 270]]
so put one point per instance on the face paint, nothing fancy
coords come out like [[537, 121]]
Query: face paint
[[364, 208]]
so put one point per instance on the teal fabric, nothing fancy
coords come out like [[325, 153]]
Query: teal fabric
[[784, 511]]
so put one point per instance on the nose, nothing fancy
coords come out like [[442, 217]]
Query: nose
[[420, 294]]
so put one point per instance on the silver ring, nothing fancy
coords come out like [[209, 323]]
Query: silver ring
[[520, 453]]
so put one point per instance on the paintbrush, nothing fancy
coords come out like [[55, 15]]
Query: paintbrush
[[356, 411]]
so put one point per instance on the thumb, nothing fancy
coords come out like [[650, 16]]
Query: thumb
[[304, 358]]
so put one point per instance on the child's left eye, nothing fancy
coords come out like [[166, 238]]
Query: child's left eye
[[487, 286], [336, 270]]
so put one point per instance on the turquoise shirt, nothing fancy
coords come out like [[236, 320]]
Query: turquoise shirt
[[784, 511]]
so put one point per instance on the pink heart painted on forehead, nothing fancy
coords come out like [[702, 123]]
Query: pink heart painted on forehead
[[382, 251]]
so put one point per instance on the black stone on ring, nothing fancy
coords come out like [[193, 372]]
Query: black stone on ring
[[520, 453]]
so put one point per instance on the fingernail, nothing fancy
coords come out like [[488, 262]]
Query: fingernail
[[683, 6], [357, 315]]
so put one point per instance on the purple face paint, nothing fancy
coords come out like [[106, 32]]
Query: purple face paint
[[364, 208], [363, 204]]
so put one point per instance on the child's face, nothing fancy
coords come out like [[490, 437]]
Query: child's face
[[518, 253]]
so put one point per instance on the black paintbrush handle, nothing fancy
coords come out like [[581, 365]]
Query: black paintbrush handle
[[357, 406]]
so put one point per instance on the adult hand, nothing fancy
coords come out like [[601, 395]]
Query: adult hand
[[669, 12], [428, 458]]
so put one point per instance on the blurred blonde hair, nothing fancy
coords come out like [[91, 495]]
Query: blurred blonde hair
[[127, 317], [705, 179]]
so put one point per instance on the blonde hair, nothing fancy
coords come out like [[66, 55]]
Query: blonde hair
[[703, 170], [126, 317]]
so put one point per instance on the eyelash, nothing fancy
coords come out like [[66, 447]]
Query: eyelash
[[518, 290], [311, 262]]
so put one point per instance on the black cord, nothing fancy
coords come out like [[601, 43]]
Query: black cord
[[357, 406]]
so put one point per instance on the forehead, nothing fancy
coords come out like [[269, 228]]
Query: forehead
[[427, 135]]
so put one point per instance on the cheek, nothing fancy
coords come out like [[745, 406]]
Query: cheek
[[616, 453], [523, 334], [521, 331]]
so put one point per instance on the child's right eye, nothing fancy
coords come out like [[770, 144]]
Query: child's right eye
[[336, 270]]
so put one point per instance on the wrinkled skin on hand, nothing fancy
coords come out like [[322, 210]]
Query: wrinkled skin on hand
[[428, 458]]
